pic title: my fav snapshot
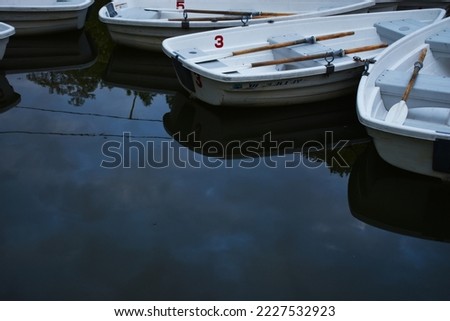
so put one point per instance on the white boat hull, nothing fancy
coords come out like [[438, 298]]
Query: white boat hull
[[144, 25], [6, 31], [408, 153], [145, 38], [282, 91], [31, 17], [421, 142]]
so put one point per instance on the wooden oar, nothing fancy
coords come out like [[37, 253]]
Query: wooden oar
[[211, 19], [339, 53], [336, 53], [310, 39], [239, 13], [398, 113]]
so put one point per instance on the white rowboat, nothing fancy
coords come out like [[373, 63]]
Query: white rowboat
[[217, 68], [6, 31], [31, 17], [417, 140], [145, 24]]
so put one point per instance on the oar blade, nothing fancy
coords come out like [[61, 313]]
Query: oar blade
[[398, 113]]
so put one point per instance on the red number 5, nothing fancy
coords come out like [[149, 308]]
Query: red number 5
[[180, 4], [219, 41]]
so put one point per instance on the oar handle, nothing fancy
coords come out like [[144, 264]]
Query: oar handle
[[293, 42], [334, 35], [417, 66], [341, 52]]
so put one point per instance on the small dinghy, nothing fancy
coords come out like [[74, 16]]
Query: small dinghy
[[288, 62], [404, 102], [31, 17], [145, 24], [6, 31]]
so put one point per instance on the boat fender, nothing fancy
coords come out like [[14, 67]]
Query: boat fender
[[329, 58]]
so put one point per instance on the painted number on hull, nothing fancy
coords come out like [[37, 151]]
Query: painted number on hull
[[219, 41], [180, 4]]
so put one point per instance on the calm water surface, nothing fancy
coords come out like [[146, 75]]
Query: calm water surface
[[194, 225]]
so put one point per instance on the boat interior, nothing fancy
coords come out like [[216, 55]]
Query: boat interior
[[429, 100], [230, 63]]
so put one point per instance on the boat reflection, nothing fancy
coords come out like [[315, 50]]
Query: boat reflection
[[64, 51], [398, 201], [45, 58], [8, 97], [141, 70], [317, 128]]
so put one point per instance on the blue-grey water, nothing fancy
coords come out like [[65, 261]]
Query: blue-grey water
[[105, 194]]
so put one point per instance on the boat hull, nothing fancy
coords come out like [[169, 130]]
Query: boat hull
[[145, 38], [277, 92], [408, 153], [6, 31], [34, 20], [145, 25]]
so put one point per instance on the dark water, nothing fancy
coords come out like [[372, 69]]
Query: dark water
[[174, 221]]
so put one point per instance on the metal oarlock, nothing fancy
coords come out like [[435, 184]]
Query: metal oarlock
[[185, 22], [366, 62], [329, 58], [244, 20]]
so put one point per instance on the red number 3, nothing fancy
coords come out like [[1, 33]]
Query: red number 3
[[219, 41]]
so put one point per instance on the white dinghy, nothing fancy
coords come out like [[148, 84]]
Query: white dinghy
[[145, 24], [6, 31], [407, 112], [288, 62], [31, 17]]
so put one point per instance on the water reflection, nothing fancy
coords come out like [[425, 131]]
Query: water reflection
[[8, 97], [72, 230], [316, 130], [399, 201], [58, 62], [143, 74], [65, 51], [140, 70]]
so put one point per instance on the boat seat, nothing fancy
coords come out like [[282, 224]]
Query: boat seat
[[429, 90], [297, 50], [440, 43], [392, 30]]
